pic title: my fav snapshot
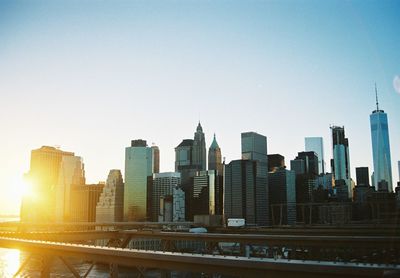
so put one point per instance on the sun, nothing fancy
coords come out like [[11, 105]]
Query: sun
[[21, 187]]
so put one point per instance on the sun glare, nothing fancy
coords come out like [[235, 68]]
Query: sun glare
[[21, 188], [10, 262]]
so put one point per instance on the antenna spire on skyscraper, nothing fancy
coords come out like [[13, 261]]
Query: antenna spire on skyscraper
[[376, 96]]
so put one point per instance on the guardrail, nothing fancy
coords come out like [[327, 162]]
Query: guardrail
[[228, 265]]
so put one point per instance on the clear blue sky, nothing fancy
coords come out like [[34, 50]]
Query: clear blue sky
[[92, 75]]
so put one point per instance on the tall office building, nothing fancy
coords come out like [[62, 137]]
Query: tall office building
[[43, 176], [254, 146], [282, 196], [381, 149], [183, 155], [315, 144], [308, 163], [341, 163], [245, 192], [215, 157], [71, 173], [111, 202], [362, 176], [163, 189], [138, 173], [246, 182], [362, 191], [207, 195], [156, 158], [199, 156], [305, 166]]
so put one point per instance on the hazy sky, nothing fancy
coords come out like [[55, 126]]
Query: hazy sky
[[90, 76]]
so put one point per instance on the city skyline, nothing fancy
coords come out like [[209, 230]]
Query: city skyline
[[92, 79]]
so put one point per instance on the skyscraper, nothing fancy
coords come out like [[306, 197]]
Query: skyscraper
[[163, 189], [138, 173], [282, 196], [246, 182], [44, 177], [71, 174], [110, 206], [341, 163], [199, 156], [305, 166], [156, 158], [381, 149], [254, 146], [207, 197], [315, 144], [214, 157], [362, 176], [183, 155]]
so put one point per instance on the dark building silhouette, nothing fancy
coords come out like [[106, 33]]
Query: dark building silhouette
[[275, 161], [282, 196], [246, 182], [207, 194], [362, 176], [305, 165]]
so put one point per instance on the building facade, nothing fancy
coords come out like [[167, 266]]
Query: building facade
[[156, 159], [341, 163], [362, 176], [111, 201], [71, 174], [199, 156], [162, 193], [43, 176], [207, 194], [282, 196], [215, 157], [84, 199], [316, 144], [246, 182], [254, 146], [305, 167], [138, 173], [275, 161], [381, 150]]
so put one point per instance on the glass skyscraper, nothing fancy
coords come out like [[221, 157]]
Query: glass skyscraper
[[381, 150], [254, 146], [138, 173], [315, 144], [341, 162]]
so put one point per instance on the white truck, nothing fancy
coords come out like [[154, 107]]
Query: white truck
[[236, 222]]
